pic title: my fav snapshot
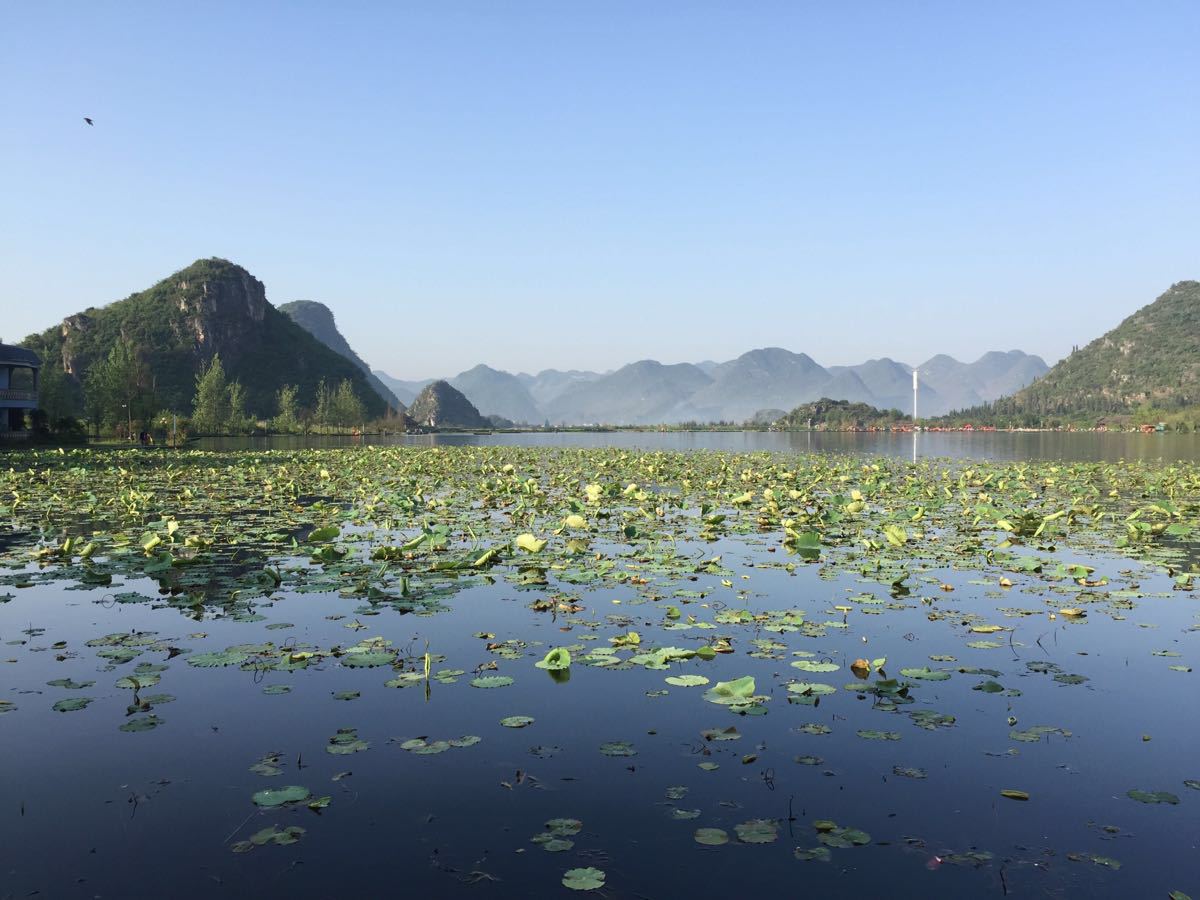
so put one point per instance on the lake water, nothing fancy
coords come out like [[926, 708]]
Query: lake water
[[152, 797], [954, 445]]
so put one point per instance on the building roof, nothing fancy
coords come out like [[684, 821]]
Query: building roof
[[19, 356]]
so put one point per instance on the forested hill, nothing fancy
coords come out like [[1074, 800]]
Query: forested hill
[[175, 328], [836, 415], [1152, 359]]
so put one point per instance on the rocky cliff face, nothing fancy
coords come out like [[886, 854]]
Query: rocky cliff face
[[217, 309]]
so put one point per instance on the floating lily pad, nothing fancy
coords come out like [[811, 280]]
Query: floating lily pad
[[517, 721], [618, 748], [926, 674], [818, 854], [686, 680], [216, 660], [71, 705], [1153, 797], [808, 665], [872, 735], [281, 796], [588, 879], [757, 831], [711, 837], [141, 723], [346, 741], [491, 681], [70, 684], [368, 659]]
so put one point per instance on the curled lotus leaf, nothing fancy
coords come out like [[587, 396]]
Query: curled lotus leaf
[[738, 691], [557, 659]]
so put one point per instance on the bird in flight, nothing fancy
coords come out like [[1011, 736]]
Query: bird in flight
[[89, 121]]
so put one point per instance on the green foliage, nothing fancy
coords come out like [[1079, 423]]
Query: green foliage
[[119, 390], [57, 396], [1148, 368], [239, 421], [287, 416], [347, 408], [839, 415], [210, 406], [173, 330]]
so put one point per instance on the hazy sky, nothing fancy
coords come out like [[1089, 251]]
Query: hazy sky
[[583, 184]]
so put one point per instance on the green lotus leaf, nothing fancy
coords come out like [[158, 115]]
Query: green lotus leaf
[[588, 879], [281, 796]]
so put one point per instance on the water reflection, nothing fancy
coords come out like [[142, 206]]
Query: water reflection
[[995, 445]]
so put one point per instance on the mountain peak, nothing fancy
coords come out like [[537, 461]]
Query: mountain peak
[[318, 320], [211, 307], [441, 405]]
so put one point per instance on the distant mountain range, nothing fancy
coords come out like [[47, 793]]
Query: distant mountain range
[[649, 392], [216, 307]]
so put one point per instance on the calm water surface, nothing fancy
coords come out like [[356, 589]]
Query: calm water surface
[[89, 811]]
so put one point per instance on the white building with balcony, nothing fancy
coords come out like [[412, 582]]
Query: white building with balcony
[[18, 389]]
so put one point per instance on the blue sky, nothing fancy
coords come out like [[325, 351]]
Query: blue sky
[[578, 184]]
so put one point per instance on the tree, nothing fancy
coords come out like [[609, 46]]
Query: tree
[[239, 421], [288, 417], [95, 397], [118, 390], [56, 395], [348, 410], [323, 412], [210, 408]]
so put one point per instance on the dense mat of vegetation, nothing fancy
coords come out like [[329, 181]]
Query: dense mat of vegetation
[[730, 662]]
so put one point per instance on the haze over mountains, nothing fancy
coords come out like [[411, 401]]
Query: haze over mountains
[[771, 378], [1148, 363]]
